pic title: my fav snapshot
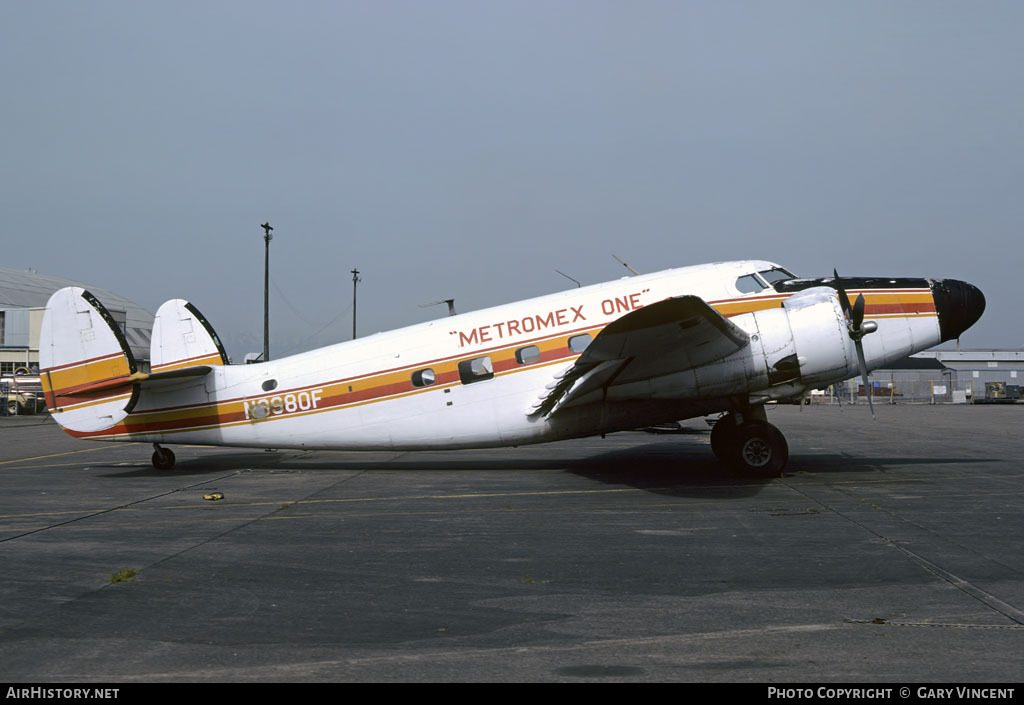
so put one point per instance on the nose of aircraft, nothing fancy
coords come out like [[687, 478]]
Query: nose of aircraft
[[958, 304]]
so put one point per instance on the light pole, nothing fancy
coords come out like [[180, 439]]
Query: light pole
[[267, 237], [355, 281]]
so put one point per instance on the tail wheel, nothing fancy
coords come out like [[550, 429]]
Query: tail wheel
[[759, 449], [163, 458]]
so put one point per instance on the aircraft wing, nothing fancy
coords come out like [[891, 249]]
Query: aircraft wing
[[669, 336]]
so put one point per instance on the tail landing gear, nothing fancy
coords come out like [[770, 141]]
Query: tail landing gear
[[754, 447], [163, 458]]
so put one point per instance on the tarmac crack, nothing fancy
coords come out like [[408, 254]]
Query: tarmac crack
[[943, 625], [108, 510], [967, 587]]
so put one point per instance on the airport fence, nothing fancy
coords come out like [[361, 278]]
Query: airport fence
[[919, 391]]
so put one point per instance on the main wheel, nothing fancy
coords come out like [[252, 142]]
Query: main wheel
[[759, 449], [163, 458], [723, 435]]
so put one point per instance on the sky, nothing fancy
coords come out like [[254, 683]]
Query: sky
[[470, 149]]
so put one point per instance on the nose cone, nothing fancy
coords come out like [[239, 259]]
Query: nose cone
[[958, 304]]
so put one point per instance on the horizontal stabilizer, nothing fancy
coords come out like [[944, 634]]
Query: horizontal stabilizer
[[183, 338], [85, 363], [146, 381]]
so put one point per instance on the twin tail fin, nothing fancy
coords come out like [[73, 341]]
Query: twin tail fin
[[85, 364], [183, 338], [90, 377]]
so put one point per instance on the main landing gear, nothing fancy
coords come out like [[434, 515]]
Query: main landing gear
[[163, 458], [753, 447]]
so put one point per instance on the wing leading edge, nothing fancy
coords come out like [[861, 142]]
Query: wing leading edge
[[670, 336]]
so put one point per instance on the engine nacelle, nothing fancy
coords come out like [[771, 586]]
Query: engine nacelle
[[805, 343]]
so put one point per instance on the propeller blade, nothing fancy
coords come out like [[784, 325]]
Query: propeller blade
[[857, 329], [858, 317], [844, 300], [864, 375]]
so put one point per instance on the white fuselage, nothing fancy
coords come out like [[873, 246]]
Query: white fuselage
[[406, 388]]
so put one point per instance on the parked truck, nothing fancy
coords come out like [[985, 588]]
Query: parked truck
[[23, 394]]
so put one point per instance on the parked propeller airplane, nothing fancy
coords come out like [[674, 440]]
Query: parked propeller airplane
[[725, 337]]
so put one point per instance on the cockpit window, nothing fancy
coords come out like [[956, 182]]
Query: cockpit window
[[749, 284], [775, 274], [753, 283]]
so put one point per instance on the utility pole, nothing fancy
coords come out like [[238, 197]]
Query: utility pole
[[355, 281], [267, 237]]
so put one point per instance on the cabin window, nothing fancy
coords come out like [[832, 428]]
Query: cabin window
[[269, 385], [579, 343], [476, 370], [528, 355], [749, 284], [775, 274], [423, 378]]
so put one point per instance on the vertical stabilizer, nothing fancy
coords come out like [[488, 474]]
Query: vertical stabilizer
[[182, 338], [85, 364]]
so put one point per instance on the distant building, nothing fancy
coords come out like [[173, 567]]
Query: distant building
[[979, 371], [23, 297], [939, 376]]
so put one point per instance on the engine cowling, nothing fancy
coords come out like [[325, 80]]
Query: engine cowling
[[805, 342]]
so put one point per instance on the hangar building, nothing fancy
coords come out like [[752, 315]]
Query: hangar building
[[23, 297]]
